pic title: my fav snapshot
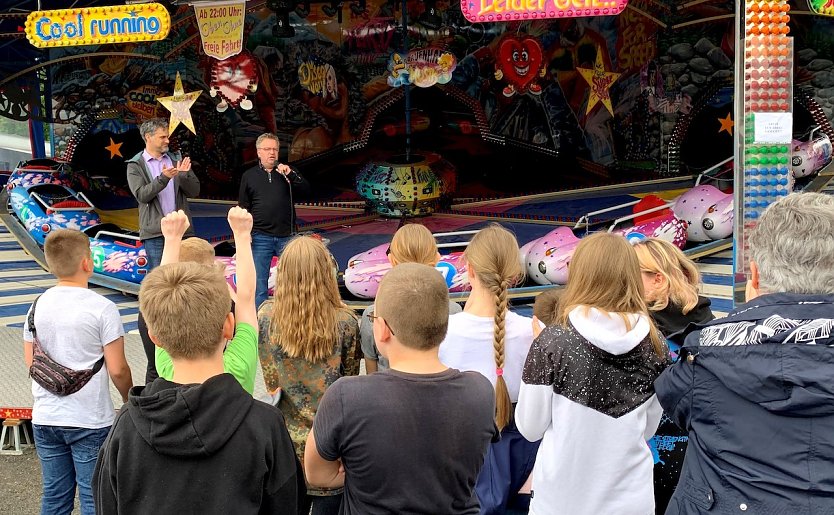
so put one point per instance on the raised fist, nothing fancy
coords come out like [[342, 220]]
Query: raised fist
[[240, 220], [174, 224]]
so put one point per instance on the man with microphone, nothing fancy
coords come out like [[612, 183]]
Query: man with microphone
[[268, 191]]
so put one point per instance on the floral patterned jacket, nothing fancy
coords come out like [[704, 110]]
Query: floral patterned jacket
[[303, 383]]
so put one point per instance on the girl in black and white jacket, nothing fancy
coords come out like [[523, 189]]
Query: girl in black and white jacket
[[587, 389]]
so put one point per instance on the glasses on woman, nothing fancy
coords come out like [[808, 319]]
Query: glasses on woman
[[374, 317]]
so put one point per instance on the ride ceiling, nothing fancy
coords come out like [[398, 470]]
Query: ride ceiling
[[523, 109]]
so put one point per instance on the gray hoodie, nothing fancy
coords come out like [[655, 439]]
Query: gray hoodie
[[145, 188]]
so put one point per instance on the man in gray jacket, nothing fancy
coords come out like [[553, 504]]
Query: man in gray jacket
[[162, 182]]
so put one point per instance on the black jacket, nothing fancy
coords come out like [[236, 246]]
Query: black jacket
[[671, 320], [199, 448], [270, 197], [756, 394]]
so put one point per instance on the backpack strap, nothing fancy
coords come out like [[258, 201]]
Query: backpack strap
[[98, 365], [30, 320]]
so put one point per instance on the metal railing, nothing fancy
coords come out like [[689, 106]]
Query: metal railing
[[641, 213], [117, 235], [45, 204]]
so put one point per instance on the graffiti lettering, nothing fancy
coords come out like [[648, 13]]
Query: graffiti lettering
[[638, 45], [601, 84], [667, 443], [374, 36], [141, 97]]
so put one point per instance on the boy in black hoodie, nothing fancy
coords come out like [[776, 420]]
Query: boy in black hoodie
[[199, 444]]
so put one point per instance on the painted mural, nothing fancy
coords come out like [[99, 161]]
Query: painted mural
[[568, 96]]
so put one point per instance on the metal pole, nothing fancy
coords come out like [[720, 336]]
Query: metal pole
[[407, 85], [738, 156]]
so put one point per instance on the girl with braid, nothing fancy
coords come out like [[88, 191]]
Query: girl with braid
[[488, 338]]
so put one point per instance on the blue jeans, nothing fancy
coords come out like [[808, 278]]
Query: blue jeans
[[68, 457], [153, 249], [264, 247]]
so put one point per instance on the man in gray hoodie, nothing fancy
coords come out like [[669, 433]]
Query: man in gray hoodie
[[161, 181]]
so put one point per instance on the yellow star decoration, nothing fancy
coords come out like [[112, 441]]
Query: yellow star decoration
[[600, 81], [727, 124], [180, 105], [115, 149]]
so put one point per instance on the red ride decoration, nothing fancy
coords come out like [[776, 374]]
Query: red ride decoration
[[520, 64], [234, 78]]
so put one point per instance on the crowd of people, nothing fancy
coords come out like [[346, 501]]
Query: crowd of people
[[461, 411]]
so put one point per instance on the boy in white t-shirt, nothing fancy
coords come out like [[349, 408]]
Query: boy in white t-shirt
[[75, 327]]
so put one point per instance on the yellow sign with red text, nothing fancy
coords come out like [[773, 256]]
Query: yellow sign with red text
[[98, 25], [221, 27]]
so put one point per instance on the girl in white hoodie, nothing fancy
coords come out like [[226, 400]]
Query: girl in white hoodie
[[587, 389]]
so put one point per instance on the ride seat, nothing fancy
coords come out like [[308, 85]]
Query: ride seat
[[68, 204], [649, 202]]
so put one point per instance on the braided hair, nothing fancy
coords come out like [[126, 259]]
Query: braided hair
[[493, 256]]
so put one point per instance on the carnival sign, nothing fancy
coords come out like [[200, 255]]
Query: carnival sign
[[600, 81], [221, 27], [318, 79], [823, 7], [519, 10], [142, 102], [97, 25], [422, 68]]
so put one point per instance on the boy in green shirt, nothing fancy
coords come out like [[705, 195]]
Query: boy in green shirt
[[241, 355]]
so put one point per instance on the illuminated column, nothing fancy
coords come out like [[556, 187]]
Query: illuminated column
[[764, 117]]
